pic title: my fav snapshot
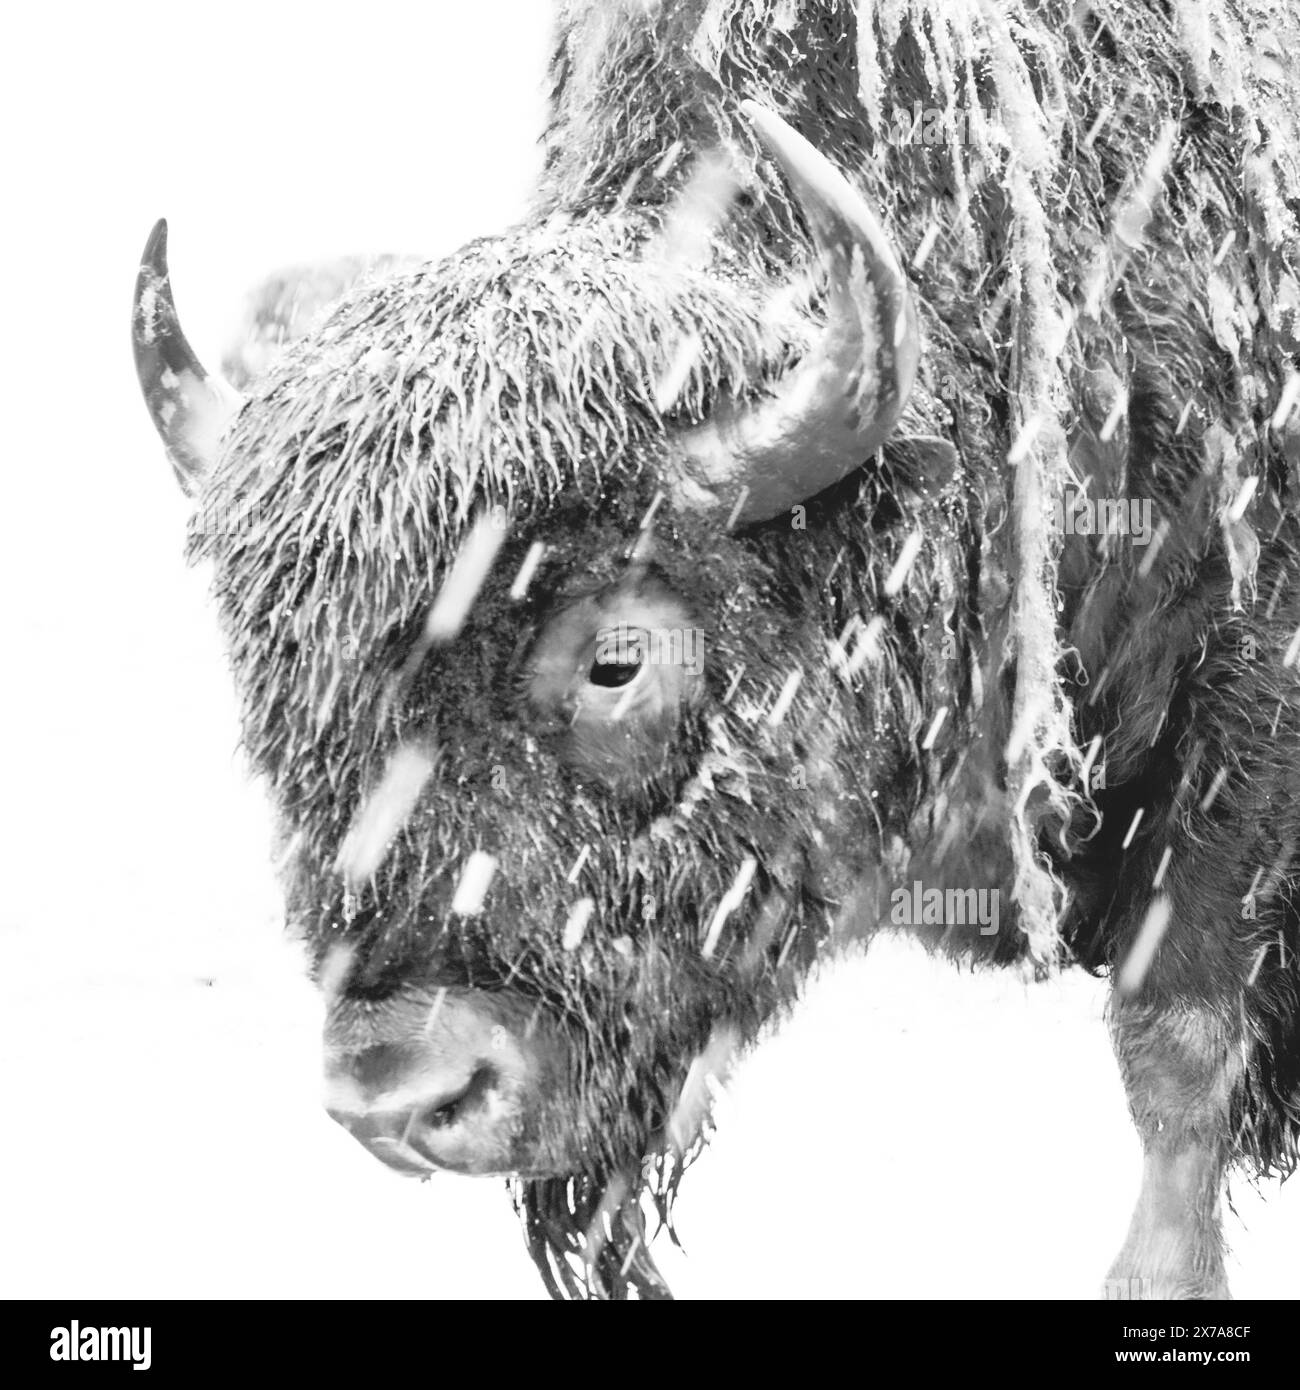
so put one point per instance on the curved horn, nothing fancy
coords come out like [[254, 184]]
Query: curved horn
[[190, 409], [831, 412]]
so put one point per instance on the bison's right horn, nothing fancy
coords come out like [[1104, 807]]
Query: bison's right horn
[[190, 408], [830, 413]]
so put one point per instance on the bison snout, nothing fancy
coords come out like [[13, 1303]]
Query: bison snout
[[451, 1083]]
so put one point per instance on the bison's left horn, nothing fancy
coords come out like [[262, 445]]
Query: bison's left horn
[[830, 413], [190, 408]]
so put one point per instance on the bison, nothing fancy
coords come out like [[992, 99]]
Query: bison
[[860, 496]]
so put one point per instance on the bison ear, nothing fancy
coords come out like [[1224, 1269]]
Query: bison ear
[[831, 412], [190, 409]]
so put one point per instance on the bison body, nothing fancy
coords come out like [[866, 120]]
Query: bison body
[[1020, 677]]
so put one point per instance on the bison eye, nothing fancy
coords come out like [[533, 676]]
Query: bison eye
[[619, 659], [611, 675]]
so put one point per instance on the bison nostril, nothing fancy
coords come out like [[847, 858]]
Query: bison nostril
[[451, 1108], [422, 1090]]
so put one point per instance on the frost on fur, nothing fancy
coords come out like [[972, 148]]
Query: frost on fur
[[1101, 246]]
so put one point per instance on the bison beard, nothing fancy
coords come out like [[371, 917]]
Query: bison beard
[[525, 373]]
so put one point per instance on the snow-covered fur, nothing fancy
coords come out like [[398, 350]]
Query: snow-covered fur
[[1102, 239]]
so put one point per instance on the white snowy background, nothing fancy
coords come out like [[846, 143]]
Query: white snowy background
[[913, 1132]]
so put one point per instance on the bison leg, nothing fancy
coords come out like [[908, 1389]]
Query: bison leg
[[1179, 1066]]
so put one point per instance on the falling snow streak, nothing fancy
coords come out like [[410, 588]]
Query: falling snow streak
[[1022, 731], [770, 917], [1243, 498], [1023, 443], [625, 702], [1133, 827], [686, 240], [1113, 420], [465, 578], [922, 252], [897, 576], [837, 652], [1161, 868], [439, 999], [1129, 228], [1216, 786], [741, 498], [475, 879], [1098, 125], [671, 155], [1256, 966], [647, 520], [292, 846], [383, 813], [1153, 549], [731, 901], [631, 1255], [785, 698], [684, 360], [1286, 403], [583, 855], [335, 970], [536, 553], [446, 616], [1146, 943], [932, 732], [869, 646], [690, 1114], [576, 927]]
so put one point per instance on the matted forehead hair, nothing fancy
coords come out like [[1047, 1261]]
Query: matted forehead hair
[[521, 372]]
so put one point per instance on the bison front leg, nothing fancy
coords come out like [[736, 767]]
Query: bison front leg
[[1179, 1065]]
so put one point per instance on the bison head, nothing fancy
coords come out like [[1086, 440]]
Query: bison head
[[528, 562]]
